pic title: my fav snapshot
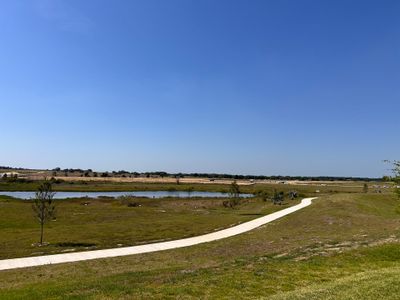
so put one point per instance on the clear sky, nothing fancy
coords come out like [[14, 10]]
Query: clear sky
[[246, 87]]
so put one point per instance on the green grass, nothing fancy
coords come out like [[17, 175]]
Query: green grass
[[344, 246], [369, 285], [109, 223], [108, 186]]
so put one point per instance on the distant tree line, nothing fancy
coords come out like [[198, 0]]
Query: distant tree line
[[11, 168], [212, 176], [275, 177], [163, 174]]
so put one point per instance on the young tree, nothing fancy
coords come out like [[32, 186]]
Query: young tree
[[43, 205], [234, 190], [396, 173], [234, 193]]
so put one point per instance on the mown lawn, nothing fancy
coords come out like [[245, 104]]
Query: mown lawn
[[344, 246]]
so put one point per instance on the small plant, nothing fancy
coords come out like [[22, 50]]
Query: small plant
[[128, 201], [264, 196], [278, 197], [227, 204], [293, 195]]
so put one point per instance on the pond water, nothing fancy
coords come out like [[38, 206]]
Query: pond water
[[148, 194]]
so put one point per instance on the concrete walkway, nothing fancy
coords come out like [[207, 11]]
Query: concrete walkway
[[25, 262]]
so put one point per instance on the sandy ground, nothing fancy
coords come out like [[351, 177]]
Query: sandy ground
[[39, 175], [195, 180], [155, 180]]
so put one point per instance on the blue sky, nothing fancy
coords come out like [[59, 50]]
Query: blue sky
[[248, 87]]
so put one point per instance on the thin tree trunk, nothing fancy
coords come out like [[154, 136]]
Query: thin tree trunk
[[41, 233]]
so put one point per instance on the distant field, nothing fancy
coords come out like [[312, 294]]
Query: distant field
[[154, 180], [98, 185], [96, 177], [193, 180], [344, 246]]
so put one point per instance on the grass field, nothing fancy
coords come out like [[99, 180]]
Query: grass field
[[344, 246], [109, 186], [86, 224]]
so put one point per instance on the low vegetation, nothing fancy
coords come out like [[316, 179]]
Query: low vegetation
[[85, 223], [343, 246], [257, 188]]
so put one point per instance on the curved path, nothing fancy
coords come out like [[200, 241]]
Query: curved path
[[33, 261]]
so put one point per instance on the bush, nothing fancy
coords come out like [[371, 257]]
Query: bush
[[231, 203], [264, 196], [278, 197], [293, 195], [128, 201], [56, 181]]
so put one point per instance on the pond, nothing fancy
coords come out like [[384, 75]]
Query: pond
[[147, 194]]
